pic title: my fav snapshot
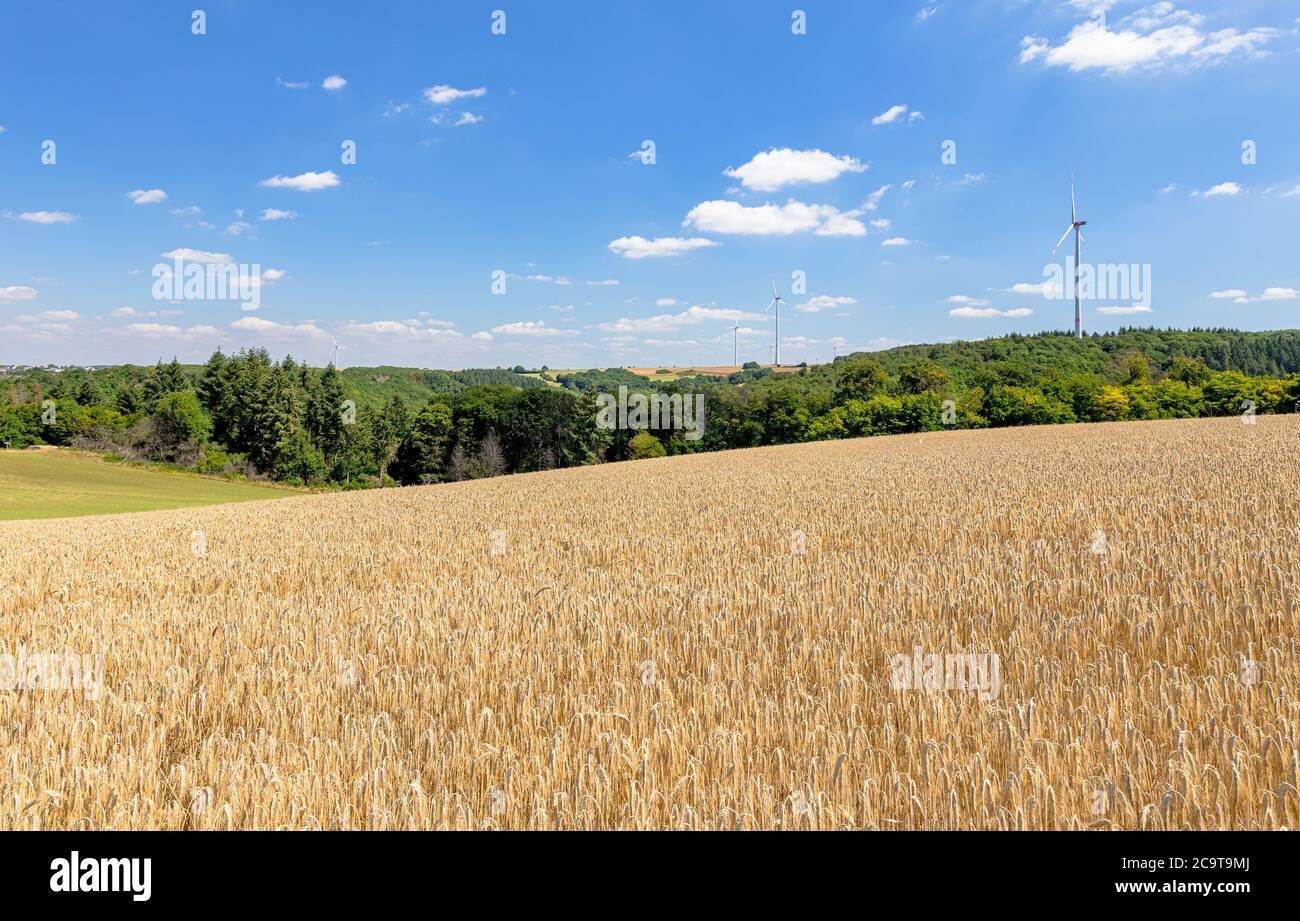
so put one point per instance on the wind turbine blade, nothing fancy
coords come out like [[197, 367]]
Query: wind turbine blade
[[769, 307], [774, 294], [1062, 240], [1073, 218]]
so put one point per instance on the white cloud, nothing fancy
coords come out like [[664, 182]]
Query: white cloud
[[147, 196], [442, 94], [778, 167], [560, 308], [1123, 310], [604, 283], [896, 113], [198, 255], [873, 200], [823, 302], [167, 331], [49, 315], [534, 328], [409, 329], [1156, 37], [16, 293], [552, 279], [969, 301], [187, 210], [641, 248], [333, 82], [278, 214], [666, 302], [1172, 187], [272, 275], [258, 325], [773, 220], [669, 322], [1045, 289], [881, 223], [1239, 296], [896, 241], [304, 182], [47, 217], [467, 118], [292, 85], [1223, 189], [979, 313], [482, 336], [238, 227]]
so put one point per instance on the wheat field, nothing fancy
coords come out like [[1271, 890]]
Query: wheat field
[[688, 643]]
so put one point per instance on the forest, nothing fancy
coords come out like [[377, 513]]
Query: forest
[[250, 416]]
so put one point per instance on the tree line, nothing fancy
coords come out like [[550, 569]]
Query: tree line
[[250, 416]]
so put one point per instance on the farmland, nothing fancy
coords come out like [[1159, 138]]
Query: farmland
[[696, 642], [57, 484]]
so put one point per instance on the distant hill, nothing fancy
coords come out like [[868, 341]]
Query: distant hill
[[1274, 353]]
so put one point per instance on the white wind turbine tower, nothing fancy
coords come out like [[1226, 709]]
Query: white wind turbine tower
[[735, 345], [337, 347], [1075, 224], [776, 346]]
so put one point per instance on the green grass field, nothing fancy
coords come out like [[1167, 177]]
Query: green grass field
[[60, 484]]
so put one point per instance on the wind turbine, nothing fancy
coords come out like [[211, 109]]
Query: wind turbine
[[1075, 224], [337, 347], [735, 345], [776, 347]]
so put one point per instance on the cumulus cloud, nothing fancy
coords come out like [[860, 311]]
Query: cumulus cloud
[[896, 241], [147, 196], [408, 329], [1222, 190], [1238, 296], [278, 214], [640, 248], [168, 331], [979, 313], [669, 322], [17, 293], [269, 327], [1156, 37], [772, 169], [823, 302], [304, 182], [1048, 289], [793, 217], [442, 94], [47, 217], [894, 114], [333, 82], [467, 118], [198, 255], [1123, 310], [534, 328]]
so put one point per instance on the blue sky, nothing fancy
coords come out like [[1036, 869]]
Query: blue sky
[[521, 153]]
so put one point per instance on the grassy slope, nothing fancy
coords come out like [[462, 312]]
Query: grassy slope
[[58, 484]]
